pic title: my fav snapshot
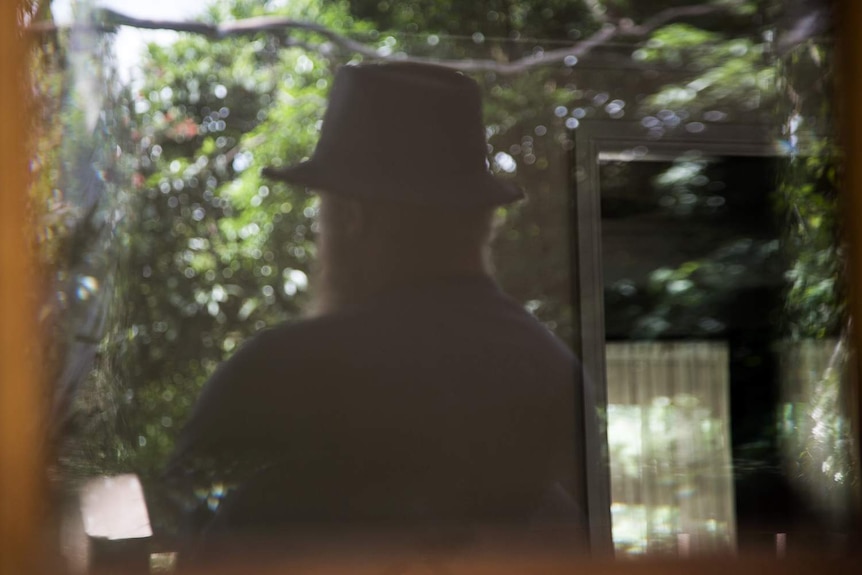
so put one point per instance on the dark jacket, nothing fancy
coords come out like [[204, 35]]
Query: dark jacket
[[439, 402]]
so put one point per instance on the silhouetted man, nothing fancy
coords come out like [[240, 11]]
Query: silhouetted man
[[417, 393]]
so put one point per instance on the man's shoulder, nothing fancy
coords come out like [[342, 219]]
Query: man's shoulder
[[293, 336], [272, 367], [269, 352], [478, 314]]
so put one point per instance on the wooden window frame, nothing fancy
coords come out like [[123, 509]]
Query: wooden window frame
[[22, 495]]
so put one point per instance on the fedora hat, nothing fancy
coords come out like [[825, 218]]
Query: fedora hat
[[402, 132]]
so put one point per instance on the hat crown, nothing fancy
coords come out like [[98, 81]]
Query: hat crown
[[406, 117], [404, 132]]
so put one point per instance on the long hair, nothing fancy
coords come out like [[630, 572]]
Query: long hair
[[368, 246]]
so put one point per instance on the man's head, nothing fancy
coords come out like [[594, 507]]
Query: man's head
[[407, 133], [368, 246], [402, 169]]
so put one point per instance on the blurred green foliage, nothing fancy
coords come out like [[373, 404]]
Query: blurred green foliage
[[808, 194], [816, 428], [211, 253]]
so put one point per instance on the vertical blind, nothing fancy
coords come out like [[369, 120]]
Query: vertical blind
[[669, 440]]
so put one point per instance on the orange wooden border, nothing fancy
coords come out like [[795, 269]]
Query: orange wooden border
[[21, 423], [21, 468], [849, 123]]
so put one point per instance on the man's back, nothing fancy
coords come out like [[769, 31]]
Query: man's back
[[439, 402]]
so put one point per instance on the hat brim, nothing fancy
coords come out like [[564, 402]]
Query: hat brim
[[480, 189]]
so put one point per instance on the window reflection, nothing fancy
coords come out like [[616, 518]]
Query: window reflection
[[691, 261], [720, 349]]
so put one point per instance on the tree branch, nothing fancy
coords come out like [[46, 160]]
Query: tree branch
[[111, 19], [671, 14]]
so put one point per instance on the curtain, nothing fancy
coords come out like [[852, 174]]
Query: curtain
[[669, 440]]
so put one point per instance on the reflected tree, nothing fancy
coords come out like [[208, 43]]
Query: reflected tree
[[214, 253]]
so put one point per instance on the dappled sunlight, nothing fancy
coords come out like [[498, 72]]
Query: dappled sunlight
[[815, 424], [670, 454], [680, 234]]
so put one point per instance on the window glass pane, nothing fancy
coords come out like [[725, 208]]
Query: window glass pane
[[679, 235]]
